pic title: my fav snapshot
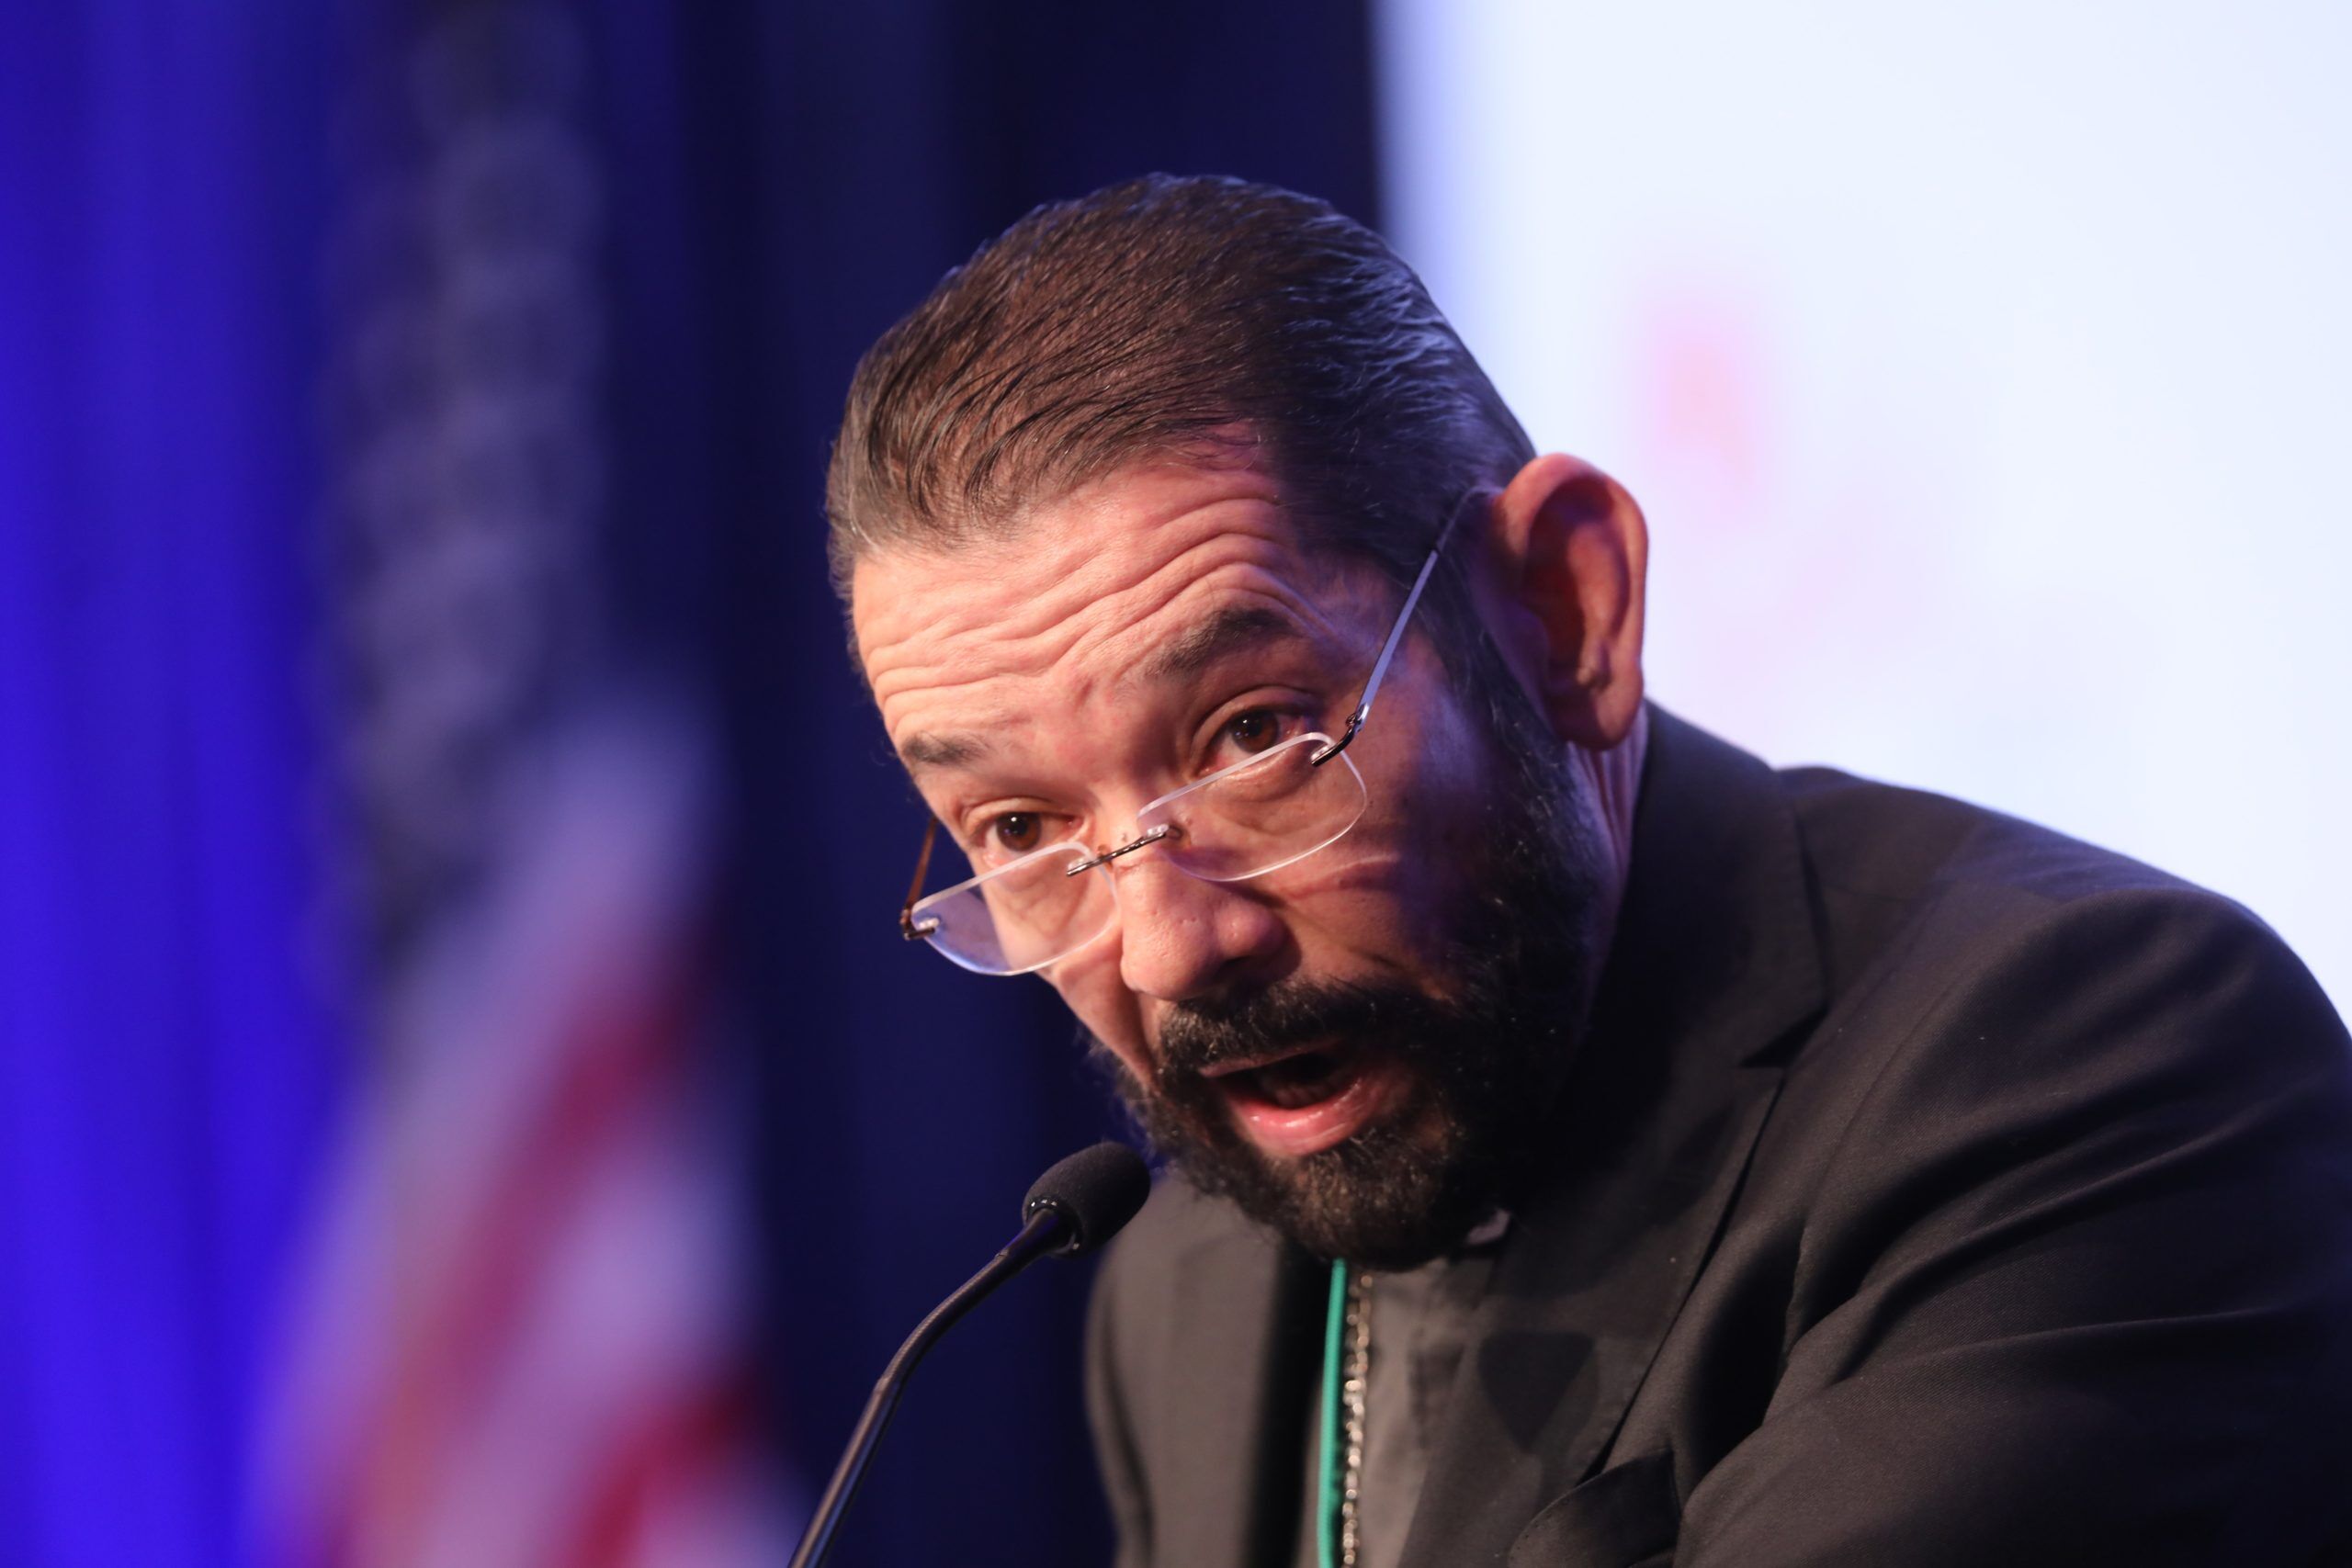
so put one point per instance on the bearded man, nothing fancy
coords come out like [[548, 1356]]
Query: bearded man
[[1588, 1146]]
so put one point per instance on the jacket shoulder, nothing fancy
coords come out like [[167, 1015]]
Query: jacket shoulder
[[1984, 970], [1920, 888], [1883, 841]]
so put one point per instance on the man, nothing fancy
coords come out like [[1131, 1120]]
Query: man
[[1591, 1147]]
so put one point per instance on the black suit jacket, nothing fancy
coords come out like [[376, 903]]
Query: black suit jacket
[[1930, 1189]]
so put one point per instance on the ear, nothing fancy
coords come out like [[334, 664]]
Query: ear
[[1568, 555]]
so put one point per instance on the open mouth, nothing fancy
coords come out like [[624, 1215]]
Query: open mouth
[[1310, 1100], [1293, 1082]]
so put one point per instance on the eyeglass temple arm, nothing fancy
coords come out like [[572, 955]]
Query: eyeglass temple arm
[[907, 926], [1395, 635]]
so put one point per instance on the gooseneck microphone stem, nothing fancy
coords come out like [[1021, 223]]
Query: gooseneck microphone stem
[[1048, 1229], [1075, 1207]]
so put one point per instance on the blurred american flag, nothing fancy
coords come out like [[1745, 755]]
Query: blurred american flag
[[522, 1342], [522, 1345]]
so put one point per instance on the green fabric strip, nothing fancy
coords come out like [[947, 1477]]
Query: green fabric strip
[[1327, 1492]]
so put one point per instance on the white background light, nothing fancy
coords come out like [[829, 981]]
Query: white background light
[[1985, 374]]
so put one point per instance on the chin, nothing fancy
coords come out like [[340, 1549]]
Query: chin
[[1385, 1200], [1394, 1194]]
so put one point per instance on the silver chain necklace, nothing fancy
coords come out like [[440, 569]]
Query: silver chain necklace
[[1355, 1372]]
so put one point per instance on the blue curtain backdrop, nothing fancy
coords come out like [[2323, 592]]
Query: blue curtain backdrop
[[168, 1054], [175, 1045]]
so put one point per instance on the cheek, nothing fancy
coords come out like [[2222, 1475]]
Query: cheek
[[1090, 987], [1428, 819]]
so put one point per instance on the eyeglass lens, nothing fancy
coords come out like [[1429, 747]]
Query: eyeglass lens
[[1263, 816], [1242, 823]]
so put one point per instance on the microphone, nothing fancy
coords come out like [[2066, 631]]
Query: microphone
[[1095, 1192], [1074, 1208]]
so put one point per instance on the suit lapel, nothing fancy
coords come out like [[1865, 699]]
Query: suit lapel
[[1714, 961], [1246, 1360]]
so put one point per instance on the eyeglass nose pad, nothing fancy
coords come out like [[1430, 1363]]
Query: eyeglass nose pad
[[1165, 832], [1104, 857]]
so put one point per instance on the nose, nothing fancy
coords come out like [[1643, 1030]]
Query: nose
[[1181, 938]]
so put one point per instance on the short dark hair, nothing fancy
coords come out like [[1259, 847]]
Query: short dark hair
[[1170, 318]]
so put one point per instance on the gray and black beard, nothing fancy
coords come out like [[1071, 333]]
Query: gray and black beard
[[1522, 950]]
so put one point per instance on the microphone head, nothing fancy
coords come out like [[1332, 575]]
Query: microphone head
[[1095, 1192]]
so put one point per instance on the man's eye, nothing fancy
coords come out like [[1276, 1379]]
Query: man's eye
[[1253, 732], [1015, 833]]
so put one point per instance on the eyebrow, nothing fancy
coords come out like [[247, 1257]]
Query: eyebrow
[[1233, 629], [923, 752]]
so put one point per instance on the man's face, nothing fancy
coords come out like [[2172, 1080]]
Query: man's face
[[1355, 1046]]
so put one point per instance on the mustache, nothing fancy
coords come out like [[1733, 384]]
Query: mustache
[[1201, 1035]]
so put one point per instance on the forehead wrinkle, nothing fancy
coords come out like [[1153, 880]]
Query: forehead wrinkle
[[930, 659], [1083, 573], [1043, 633], [1252, 583], [932, 670], [982, 647]]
